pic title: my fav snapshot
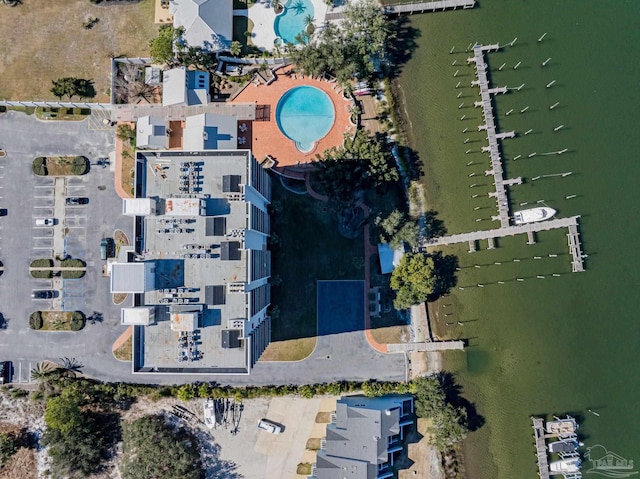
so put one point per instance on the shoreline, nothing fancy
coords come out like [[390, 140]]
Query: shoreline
[[435, 361]]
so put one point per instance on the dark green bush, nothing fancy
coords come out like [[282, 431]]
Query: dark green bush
[[35, 320], [40, 166], [79, 166], [78, 320]]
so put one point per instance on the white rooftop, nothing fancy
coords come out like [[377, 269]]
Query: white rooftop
[[151, 132], [139, 316], [210, 132], [184, 321], [207, 23], [132, 277], [138, 206]]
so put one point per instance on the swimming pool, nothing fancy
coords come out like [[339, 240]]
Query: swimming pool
[[305, 114], [293, 20]]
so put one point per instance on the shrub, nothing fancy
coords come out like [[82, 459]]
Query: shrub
[[42, 263], [72, 274], [40, 166], [79, 165], [38, 273], [78, 320], [72, 263], [35, 320], [8, 447]]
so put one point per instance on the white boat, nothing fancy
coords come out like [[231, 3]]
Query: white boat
[[209, 413], [565, 466], [533, 215], [563, 428]]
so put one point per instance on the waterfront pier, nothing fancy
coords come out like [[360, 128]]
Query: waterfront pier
[[541, 447], [415, 7], [490, 127], [571, 223]]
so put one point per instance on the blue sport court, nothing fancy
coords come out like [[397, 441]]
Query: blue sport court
[[340, 307]]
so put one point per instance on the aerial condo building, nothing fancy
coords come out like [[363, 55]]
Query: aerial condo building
[[198, 272]]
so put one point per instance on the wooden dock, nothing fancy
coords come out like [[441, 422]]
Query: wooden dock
[[415, 7], [504, 215], [432, 346], [575, 248], [541, 447]]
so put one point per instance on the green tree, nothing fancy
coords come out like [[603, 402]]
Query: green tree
[[397, 228], [236, 48], [447, 427], [77, 438], [362, 162], [162, 46], [348, 50], [413, 280], [8, 447], [153, 450]]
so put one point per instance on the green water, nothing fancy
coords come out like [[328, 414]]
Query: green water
[[558, 344]]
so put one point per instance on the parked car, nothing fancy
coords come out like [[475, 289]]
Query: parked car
[[74, 200], [6, 370], [43, 294], [3, 212], [45, 222], [106, 246], [270, 426]]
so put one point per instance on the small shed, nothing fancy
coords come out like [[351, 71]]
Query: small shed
[[140, 316]]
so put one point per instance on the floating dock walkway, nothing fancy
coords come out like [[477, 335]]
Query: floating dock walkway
[[490, 127], [456, 345], [541, 447], [415, 7], [577, 257]]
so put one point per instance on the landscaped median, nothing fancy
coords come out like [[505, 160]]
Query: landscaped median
[[57, 320], [62, 114], [70, 268], [60, 165]]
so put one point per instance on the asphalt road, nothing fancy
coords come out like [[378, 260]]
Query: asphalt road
[[345, 356]]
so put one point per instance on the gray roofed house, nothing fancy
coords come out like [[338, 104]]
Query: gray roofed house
[[363, 437], [152, 133], [185, 87], [207, 24], [208, 131]]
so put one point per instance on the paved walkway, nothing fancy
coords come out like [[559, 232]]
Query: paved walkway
[[267, 137]]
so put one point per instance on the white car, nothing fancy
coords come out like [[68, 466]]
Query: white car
[[45, 222], [270, 426]]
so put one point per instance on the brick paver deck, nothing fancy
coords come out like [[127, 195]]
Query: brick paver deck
[[267, 139]]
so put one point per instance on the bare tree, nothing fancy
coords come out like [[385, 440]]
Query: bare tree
[[129, 88]]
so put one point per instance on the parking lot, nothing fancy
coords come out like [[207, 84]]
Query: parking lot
[[76, 232]]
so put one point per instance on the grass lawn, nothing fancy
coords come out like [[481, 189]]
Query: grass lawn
[[61, 321], [124, 352], [60, 165], [306, 247], [49, 42]]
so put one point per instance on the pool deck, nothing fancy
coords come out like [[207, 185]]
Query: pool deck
[[267, 139], [263, 18]]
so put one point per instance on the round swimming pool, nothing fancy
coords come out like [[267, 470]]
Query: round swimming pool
[[305, 114], [293, 20]]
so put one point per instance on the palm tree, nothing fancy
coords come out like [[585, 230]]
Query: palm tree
[[236, 48], [309, 24]]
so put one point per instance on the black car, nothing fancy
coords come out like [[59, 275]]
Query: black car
[[43, 294], [6, 369], [74, 200]]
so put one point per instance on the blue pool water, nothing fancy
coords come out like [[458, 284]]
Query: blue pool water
[[305, 114], [292, 21]]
